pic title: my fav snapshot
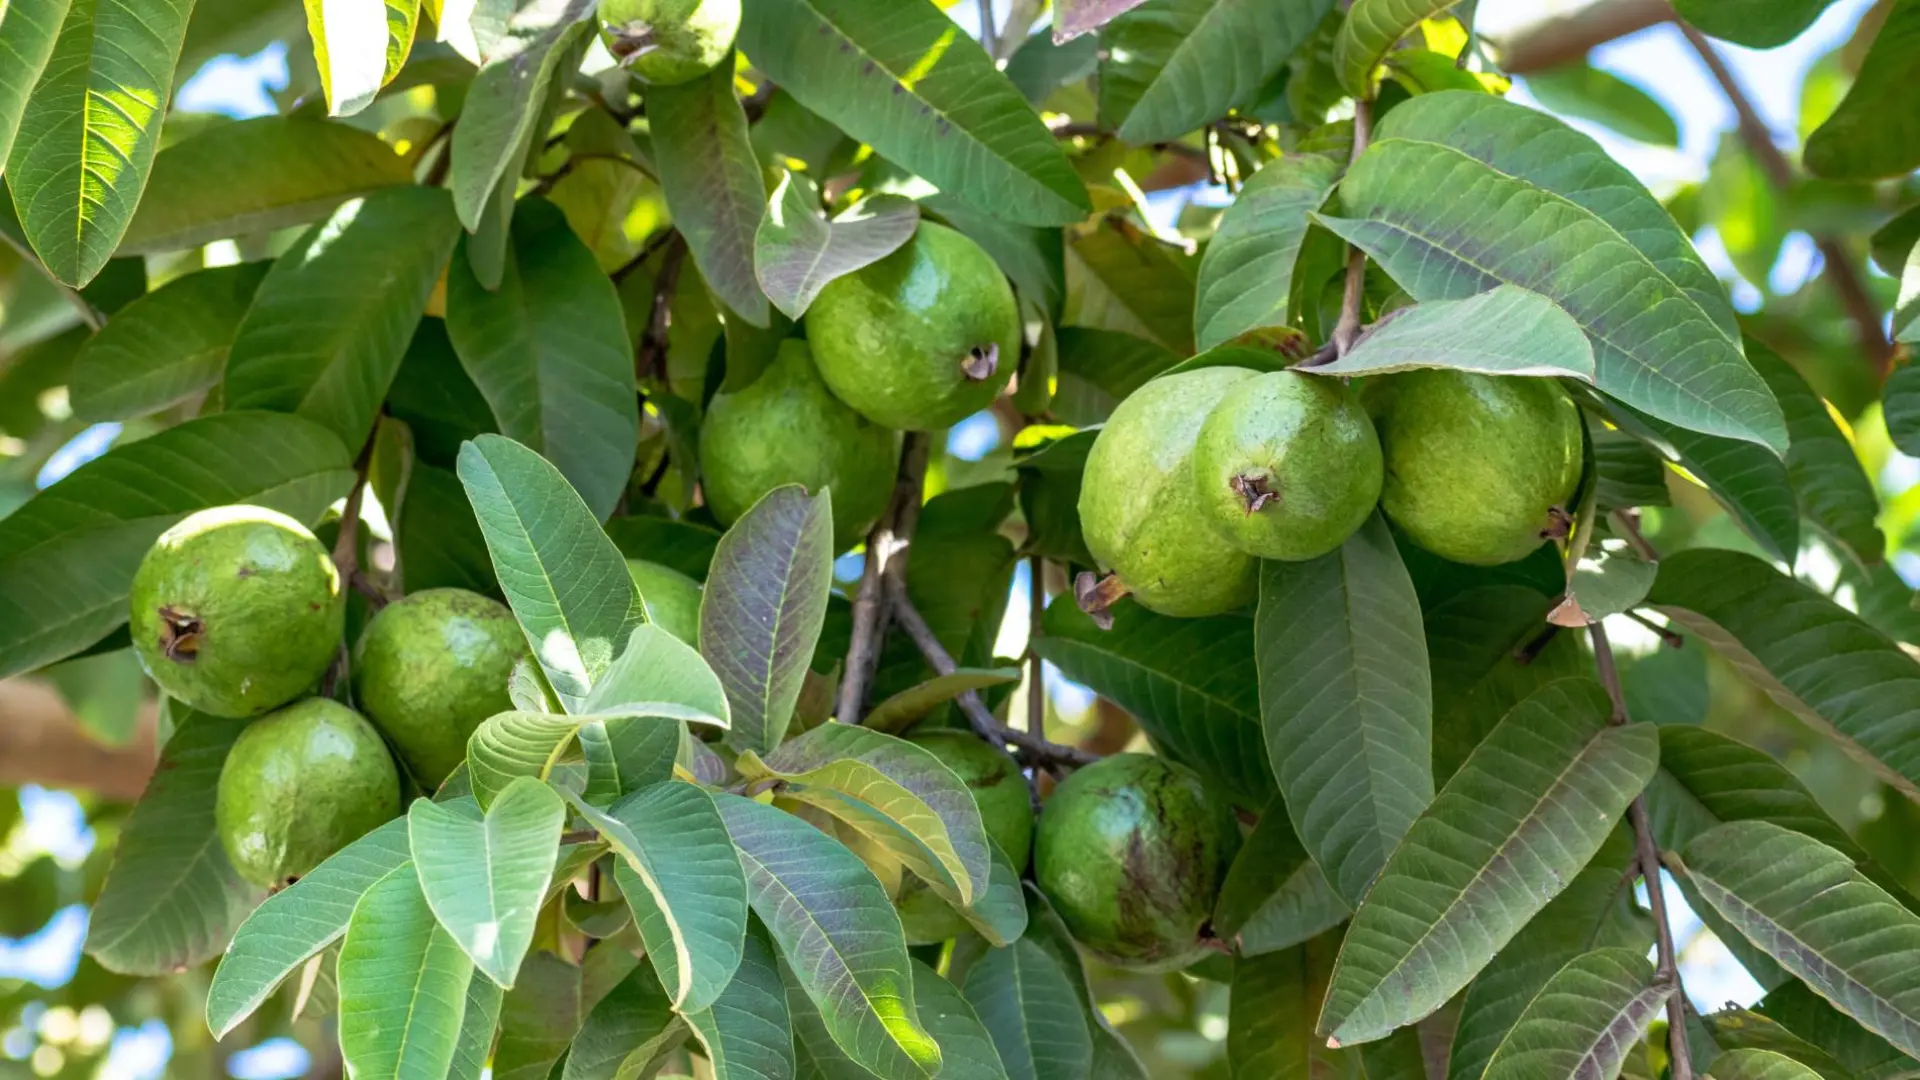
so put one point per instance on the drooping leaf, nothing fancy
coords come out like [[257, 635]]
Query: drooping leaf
[[1591, 93], [1835, 494], [1275, 896], [1027, 1005], [747, 1032], [1246, 275], [506, 97], [165, 346], [1760, 1065], [712, 182], [359, 48], [902, 77], [1506, 330], [1752, 482], [1585, 1021], [797, 251], [1371, 30], [28, 29], [1874, 133], [628, 1033], [403, 985], [485, 875]]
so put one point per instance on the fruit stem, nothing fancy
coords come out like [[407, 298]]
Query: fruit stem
[[1096, 595], [1348, 328]]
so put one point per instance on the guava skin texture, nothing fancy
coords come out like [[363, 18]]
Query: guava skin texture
[[299, 785], [672, 598], [430, 668], [668, 42], [236, 610], [1479, 469], [1006, 809], [922, 339], [1132, 851], [1288, 465], [787, 428], [1141, 512]]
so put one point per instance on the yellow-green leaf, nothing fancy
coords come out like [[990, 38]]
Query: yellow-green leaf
[[359, 46]]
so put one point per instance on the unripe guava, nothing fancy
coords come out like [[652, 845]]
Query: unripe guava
[[299, 785], [672, 598], [786, 428], [667, 42], [1005, 809], [428, 669], [236, 610], [921, 339], [1132, 851], [1287, 465], [1140, 510], [1480, 469]]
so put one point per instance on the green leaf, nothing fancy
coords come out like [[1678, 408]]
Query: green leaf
[[658, 675], [28, 30], [1506, 330], [88, 133], [1543, 790], [1906, 308], [1808, 907], [712, 182], [1760, 1065], [1113, 1059], [902, 77], [1075, 17], [504, 103], [478, 1022], [1629, 473], [1900, 401], [1175, 65], [762, 609], [1346, 702], [164, 347], [896, 713], [1585, 1021], [1874, 132], [359, 49], [1757, 24], [747, 1032], [1808, 1016], [540, 1016], [1098, 368], [1372, 29], [1033, 258], [1750, 481], [510, 745], [403, 985], [1815, 658], [1246, 275], [628, 1033], [1027, 1005], [332, 320], [967, 1051], [296, 923], [838, 931], [1275, 895], [1121, 278], [1834, 492], [1581, 90], [171, 898], [566, 582], [1270, 1009], [797, 251], [67, 556], [1605, 582], [485, 876]]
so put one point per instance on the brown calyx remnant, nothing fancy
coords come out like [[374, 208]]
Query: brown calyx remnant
[[180, 635], [633, 40], [1096, 594], [981, 362], [1559, 524], [1253, 491]]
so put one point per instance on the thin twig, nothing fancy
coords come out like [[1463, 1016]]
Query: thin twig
[[1667, 635], [1348, 328], [89, 314], [989, 36], [346, 547], [1627, 524], [869, 603], [652, 355], [647, 251]]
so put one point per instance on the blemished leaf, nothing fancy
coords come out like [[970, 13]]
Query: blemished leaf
[[403, 985], [1506, 330], [1275, 895], [797, 250], [1025, 1002], [566, 582], [712, 182], [1246, 275], [1590, 93], [171, 898], [485, 875], [1812, 656], [1810, 1017], [1835, 493], [1750, 481], [478, 1021], [1808, 907], [332, 320], [1270, 1010], [1071, 18], [255, 176], [1549, 211], [548, 350], [359, 48], [763, 606], [902, 77], [296, 923], [628, 1033], [1175, 65], [1874, 133], [1585, 1020], [506, 97], [1371, 30], [1760, 1065], [837, 929], [164, 347], [67, 556], [88, 132], [896, 713], [1541, 792], [28, 29], [1346, 701], [1900, 402], [747, 1032], [1120, 278]]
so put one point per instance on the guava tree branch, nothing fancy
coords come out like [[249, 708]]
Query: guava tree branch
[[870, 607], [1036, 667], [1348, 328], [346, 548], [42, 742], [1569, 38]]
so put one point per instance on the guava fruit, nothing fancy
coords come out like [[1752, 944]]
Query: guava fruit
[[668, 42], [921, 339], [428, 669], [1288, 465], [1140, 510], [1132, 851], [672, 598], [1479, 469], [786, 428], [236, 610], [1006, 810], [299, 785]]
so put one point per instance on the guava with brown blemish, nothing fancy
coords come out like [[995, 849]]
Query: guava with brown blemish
[[668, 42], [1131, 851], [672, 599], [236, 610], [1006, 810]]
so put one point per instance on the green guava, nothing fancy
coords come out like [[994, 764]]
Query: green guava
[[1005, 809], [921, 339], [1140, 510], [299, 785], [1480, 469], [1287, 465], [1132, 851], [668, 42], [428, 669], [236, 610], [786, 428], [672, 598]]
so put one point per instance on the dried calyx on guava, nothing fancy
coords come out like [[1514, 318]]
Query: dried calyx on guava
[[1006, 810], [671, 598], [667, 42]]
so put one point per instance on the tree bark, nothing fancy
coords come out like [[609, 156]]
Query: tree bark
[[42, 742]]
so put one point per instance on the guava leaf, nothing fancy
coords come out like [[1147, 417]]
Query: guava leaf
[[658, 675], [510, 745], [1900, 401], [1099, 368], [540, 1016], [1071, 18], [1472, 636], [1371, 30], [1604, 582], [403, 985], [1246, 275], [1874, 132], [164, 347], [505, 99], [28, 30], [627, 1033], [1835, 493], [712, 182], [478, 1022], [1026, 1004], [1120, 278], [902, 709], [1113, 1059], [485, 875], [967, 1050], [747, 1032], [359, 48], [1275, 895], [1506, 330], [1581, 90], [1750, 481], [1759, 1065], [1810, 1017], [1585, 1020], [797, 251], [1269, 1010]]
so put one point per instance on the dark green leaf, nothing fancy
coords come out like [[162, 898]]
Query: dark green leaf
[[1760, 1065], [1113, 1059], [1040, 65], [1582, 90], [1901, 402], [504, 103], [1275, 896], [164, 347], [678, 545], [27, 34], [403, 985], [1749, 480], [1873, 133], [1835, 494], [1585, 1021], [485, 876], [1808, 1016], [437, 541], [1474, 638], [433, 396], [1100, 367], [1270, 1010], [746, 1032], [797, 251], [712, 182], [1246, 275], [1629, 472], [628, 1033], [1503, 331], [540, 1016], [1026, 1004]]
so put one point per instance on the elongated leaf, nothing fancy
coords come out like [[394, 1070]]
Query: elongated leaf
[[1269, 1026], [1874, 132], [28, 29], [1113, 1059], [1745, 1029], [504, 102], [485, 875], [1900, 399], [1519, 820], [540, 1016], [403, 985], [628, 1032], [1246, 275], [1273, 882], [89, 130], [1591, 93], [747, 1032], [1503, 331], [297, 922], [1809, 1017], [1372, 29], [1835, 494], [901, 77], [797, 251], [1810, 655], [479, 1020], [902, 709], [711, 179], [838, 931], [764, 604], [68, 555], [1757, 24], [658, 675], [359, 48], [1585, 1021], [1472, 637], [1752, 482], [1027, 1006], [1121, 278], [1760, 1065], [165, 346], [566, 582], [1171, 66], [1346, 702], [967, 1051]]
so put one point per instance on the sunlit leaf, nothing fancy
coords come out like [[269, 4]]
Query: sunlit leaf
[[797, 250], [359, 47], [504, 101], [403, 985], [1503, 331], [485, 876], [712, 182]]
